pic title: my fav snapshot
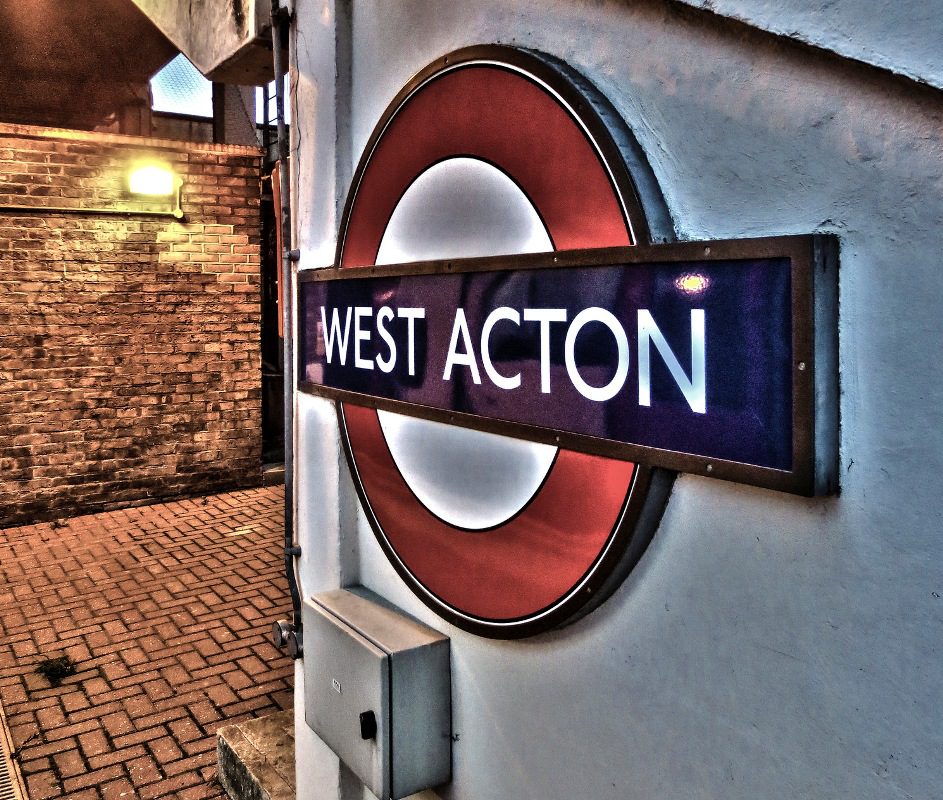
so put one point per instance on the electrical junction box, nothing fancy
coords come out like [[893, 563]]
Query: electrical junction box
[[378, 691]]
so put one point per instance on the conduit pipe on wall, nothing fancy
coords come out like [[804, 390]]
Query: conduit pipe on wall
[[9, 209], [285, 633]]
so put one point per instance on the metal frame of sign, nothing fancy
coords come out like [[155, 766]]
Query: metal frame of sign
[[813, 261]]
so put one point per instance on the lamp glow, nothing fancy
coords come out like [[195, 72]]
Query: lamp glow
[[151, 180], [156, 180]]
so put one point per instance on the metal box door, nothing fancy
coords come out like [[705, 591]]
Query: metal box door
[[349, 677], [363, 657]]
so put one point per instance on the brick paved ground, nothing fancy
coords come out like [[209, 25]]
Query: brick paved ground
[[166, 610]]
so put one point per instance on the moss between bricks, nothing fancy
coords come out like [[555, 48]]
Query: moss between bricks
[[56, 670]]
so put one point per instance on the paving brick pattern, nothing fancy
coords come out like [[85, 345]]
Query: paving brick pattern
[[166, 610]]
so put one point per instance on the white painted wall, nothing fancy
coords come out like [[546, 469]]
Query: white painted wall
[[902, 37], [767, 646]]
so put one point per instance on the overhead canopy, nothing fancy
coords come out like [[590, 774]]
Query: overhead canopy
[[75, 64], [229, 42]]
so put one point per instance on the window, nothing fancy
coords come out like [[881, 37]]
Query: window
[[179, 88]]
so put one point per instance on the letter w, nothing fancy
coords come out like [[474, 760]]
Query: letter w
[[333, 333]]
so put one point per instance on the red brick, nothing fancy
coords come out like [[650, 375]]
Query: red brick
[[117, 790], [49, 749], [149, 565], [116, 296], [204, 745], [85, 794], [143, 736], [117, 756], [171, 787], [68, 731], [143, 770], [96, 687], [32, 766], [117, 724], [134, 656], [50, 717], [69, 763], [138, 705], [158, 689], [94, 743], [191, 764], [204, 791], [208, 647], [43, 785], [74, 701], [221, 695], [184, 730], [252, 665], [165, 749], [93, 778], [237, 680]]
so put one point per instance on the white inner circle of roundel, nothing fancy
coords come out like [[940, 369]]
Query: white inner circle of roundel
[[464, 208]]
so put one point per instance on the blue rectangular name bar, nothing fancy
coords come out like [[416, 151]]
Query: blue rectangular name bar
[[698, 364]]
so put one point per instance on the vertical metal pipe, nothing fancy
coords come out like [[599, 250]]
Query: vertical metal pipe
[[280, 20]]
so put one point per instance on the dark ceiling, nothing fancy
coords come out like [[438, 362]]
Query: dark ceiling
[[74, 63]]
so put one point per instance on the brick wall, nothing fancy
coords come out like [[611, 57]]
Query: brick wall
[[129, 344]]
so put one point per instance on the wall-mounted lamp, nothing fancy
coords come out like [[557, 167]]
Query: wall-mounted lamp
[[145, 179], [156, 180]]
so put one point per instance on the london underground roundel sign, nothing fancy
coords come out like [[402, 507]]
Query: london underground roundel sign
[[548, 559], [514, 389]]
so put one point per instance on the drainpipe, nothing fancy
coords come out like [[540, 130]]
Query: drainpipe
[[285, 633]]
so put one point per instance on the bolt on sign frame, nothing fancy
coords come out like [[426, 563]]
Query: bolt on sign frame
[[758, 379]]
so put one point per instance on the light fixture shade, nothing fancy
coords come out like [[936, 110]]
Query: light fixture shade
[[154, 180]]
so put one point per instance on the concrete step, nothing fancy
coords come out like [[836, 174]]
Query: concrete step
[[273, 474], [257, 758]]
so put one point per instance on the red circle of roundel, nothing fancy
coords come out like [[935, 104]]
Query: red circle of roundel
[[524, 568]]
